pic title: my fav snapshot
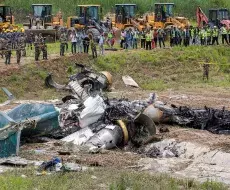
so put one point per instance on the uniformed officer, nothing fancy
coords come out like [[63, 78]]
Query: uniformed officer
[[37, 48], [8, 52], [62, 44], [93, 46], [205, 71]]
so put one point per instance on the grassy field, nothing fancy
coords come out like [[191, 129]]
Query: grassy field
[[100, 178], [155, 70]]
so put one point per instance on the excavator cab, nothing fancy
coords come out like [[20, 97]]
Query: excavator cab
[[163, 12], [43, 12], [124, 13], [88, 12], [218, 15], [6, 15]]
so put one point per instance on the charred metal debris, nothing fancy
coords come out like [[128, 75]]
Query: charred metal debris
[[87, 117]]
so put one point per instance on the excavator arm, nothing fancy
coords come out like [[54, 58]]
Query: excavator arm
[[201, 17]]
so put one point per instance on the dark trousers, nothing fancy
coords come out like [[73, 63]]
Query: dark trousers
[[186, 41], [215, 39], [37, 53], [94, 51], [8, 57], [224, 38], [143, 43], [86, 48], [62, 49], [155, 40], [161, 41], [18, 55], [74, 47], [148, 45], [172, 42], [122, 43], [209, 40], [23, 52], [67, 46], [44, 52], [134, 43]]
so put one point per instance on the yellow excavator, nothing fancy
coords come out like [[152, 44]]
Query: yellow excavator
[[6, 18], [125, 17], [164, 17], [42, 21], [88, 18]]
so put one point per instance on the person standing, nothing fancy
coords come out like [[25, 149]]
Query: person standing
[[224, 34], [62, 44], [36, 48], [215, 36], [73, 38], [155, 37], [186, 37], [79, 44], [93, 46], [148, 41], [18, 52], [172, 36], [8, 52], [86, 42], [101, 43], [209, 35], [143, 36], [43, 49], [123, 34], [161, 39], [135, 38]]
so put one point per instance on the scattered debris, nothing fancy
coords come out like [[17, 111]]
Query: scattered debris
[[129, 81], [214, 120], [9, 95], [86, 82], [14, 161], [57, 165]]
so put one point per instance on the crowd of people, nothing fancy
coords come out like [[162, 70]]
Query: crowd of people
[[82, 41], [12, 40], [151, 38]]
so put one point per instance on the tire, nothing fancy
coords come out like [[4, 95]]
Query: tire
[[94, 32]]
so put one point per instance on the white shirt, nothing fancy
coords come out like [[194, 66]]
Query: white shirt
[[73, 38], [101, 40]]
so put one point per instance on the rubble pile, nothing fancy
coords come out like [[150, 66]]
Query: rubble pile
[[88, 117]]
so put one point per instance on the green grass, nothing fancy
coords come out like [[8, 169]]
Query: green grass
[[106, 178], [155, 70]]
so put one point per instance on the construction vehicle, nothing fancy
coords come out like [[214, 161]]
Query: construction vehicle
[[6, 18], [42, 21], [88, 18], [217, 17], [163, 17], [125, 17]]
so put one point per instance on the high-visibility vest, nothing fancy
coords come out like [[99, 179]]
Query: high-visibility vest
[[208, 31], [215, 33], [143, 36], [224, 30], [192, 32], [148, 38], [135, 35]]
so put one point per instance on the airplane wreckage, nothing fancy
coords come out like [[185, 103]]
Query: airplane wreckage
[[87, 117]]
